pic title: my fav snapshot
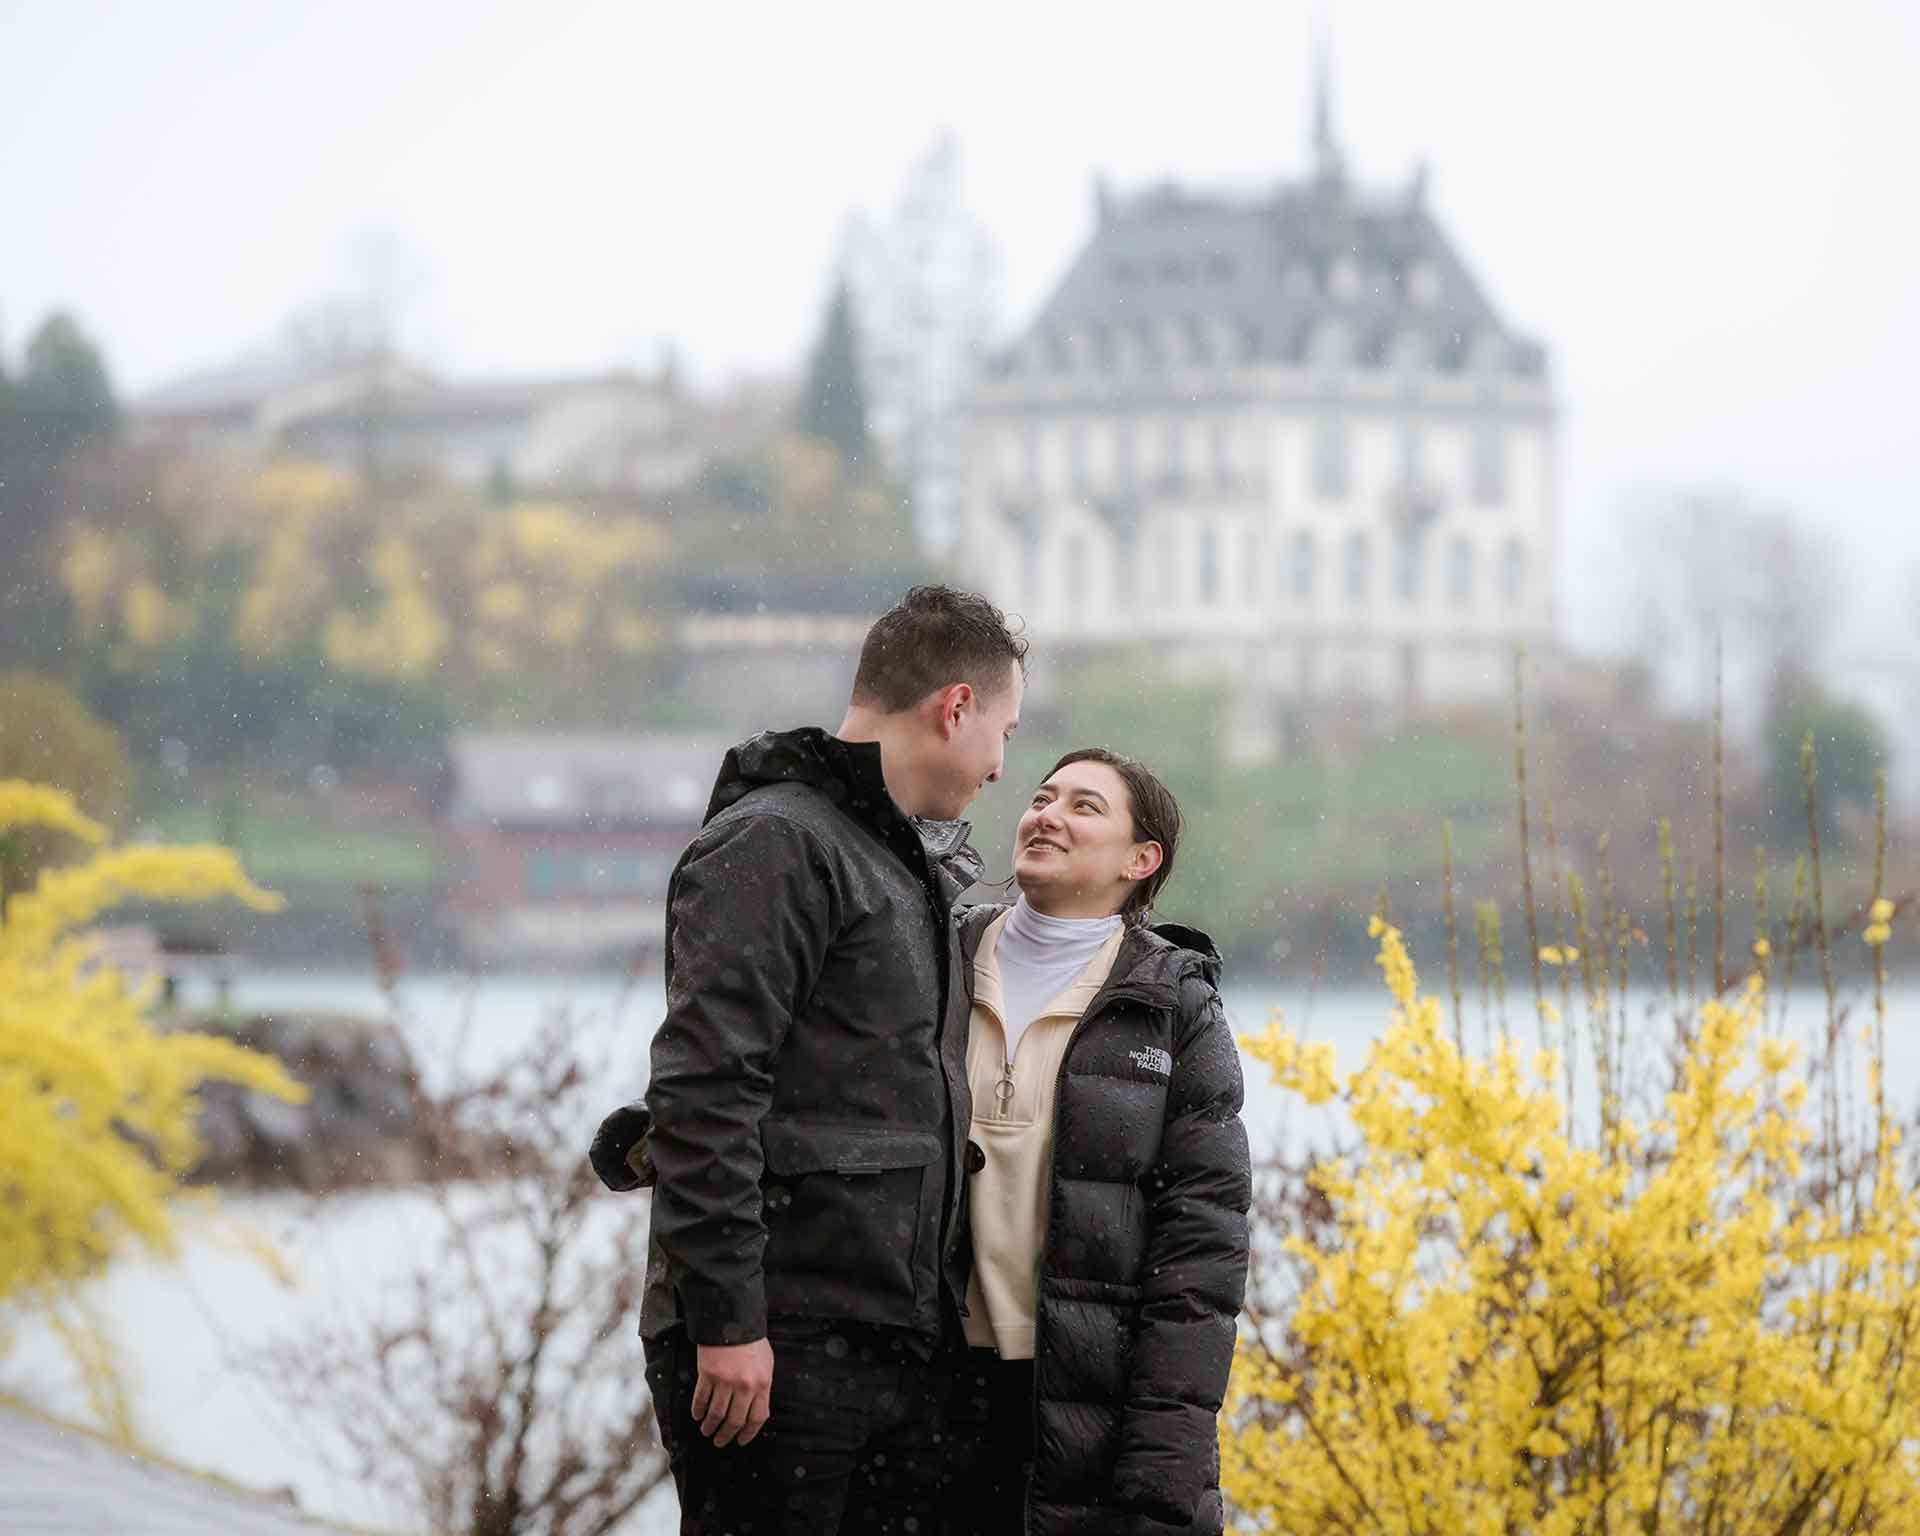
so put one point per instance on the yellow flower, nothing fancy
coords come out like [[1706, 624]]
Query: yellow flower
[[152, 618], [98, 1107], [1761, 949], [1486, 1286], [41, 805]]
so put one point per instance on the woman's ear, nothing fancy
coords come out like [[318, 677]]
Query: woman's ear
[[1144, 860]]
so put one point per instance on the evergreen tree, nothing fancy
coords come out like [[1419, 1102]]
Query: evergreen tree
[[61, 401], [834, 406], [64, 389]]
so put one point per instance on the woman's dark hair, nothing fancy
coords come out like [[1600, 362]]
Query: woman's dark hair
[[1156, 819]]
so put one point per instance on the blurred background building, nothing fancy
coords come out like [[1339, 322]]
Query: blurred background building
[[378, 415], [1285, 439]]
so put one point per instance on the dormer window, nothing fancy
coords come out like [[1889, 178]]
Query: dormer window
[[1423, 283], [1332, 344], [1486, 353], [1175, 343]]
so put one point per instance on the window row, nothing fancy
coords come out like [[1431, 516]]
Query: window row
[[1172, 460], [1220, 574]]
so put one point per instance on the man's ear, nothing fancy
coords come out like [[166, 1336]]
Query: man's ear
[[951, 705], [1144, 860]]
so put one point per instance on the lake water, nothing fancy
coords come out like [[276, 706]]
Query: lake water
[[178, 1326], [479, 1019]]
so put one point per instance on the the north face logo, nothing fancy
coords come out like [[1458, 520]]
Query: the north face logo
[[1153, 1059]]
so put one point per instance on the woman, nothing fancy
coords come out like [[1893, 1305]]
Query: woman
[[1109, 1180]]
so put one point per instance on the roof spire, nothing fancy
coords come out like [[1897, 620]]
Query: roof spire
[[1326, 154]]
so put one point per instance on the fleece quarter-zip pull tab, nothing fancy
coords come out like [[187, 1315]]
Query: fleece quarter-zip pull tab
[[1003, 1090]]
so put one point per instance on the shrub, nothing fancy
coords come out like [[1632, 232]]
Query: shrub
[[97, 1107]]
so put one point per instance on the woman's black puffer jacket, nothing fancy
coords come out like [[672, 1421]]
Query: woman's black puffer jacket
[[1144, 1263]]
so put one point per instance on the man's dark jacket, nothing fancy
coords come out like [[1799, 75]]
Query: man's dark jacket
[[803, 1111], [1144, 1263]]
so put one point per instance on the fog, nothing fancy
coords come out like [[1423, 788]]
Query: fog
[[1701, 210]]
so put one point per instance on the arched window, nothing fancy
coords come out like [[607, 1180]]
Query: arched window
[[1359, 569], [1460, 572]]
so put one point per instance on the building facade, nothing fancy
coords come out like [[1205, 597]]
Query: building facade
[[560, 844], [1284, 439], [617, 435]]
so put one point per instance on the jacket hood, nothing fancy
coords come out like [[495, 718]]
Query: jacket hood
[[843, 770], [848, 773], [1154, 959]]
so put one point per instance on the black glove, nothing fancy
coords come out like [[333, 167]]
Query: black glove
[[619, 1152]]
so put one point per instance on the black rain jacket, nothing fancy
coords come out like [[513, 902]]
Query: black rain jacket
[[1144, 1264], [802, 1140]]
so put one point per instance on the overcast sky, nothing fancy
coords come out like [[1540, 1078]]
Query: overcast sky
[[1705, 209]]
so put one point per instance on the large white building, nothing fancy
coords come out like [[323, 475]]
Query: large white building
[[1286, 439]]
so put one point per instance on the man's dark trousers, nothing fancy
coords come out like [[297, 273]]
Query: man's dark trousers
[[861, 1441]]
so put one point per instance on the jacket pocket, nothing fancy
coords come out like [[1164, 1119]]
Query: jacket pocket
[[848, 1216], [808, 1146]]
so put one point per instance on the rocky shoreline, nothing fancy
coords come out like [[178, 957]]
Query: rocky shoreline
[[366, 1122]]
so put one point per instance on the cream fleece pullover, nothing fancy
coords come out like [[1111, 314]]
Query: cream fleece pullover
[[1013, 1124]]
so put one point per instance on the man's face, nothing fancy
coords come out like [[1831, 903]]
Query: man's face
[[977, 743]]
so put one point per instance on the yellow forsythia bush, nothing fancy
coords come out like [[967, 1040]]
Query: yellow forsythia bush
[[1494, 1326], [96, 1106]]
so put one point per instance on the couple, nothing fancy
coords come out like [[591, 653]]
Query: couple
[[949, 1216]]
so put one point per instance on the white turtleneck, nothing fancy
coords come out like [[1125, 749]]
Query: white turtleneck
[[1039, 957]]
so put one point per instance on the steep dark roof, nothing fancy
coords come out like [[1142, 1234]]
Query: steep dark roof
[[1173, 275]]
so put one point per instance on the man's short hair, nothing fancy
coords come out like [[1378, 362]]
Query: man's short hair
[[933, 637]]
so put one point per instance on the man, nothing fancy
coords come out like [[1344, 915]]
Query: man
[[807, 1127]]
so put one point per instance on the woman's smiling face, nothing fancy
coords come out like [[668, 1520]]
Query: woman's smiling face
[[1074, 853]]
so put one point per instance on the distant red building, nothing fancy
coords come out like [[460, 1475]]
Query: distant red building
[[560, 845]]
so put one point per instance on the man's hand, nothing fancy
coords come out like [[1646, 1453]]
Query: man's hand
[[734, 1392]]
